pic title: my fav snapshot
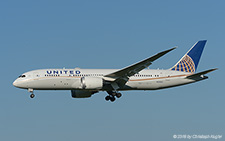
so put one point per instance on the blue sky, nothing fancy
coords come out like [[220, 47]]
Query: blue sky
[[110, 34]]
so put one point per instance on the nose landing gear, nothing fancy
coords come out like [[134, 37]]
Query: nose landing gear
[[32, 93]]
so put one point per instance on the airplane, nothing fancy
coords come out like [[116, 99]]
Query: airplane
[[83, 83]]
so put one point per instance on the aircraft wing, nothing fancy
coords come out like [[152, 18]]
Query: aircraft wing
[[126, 72]]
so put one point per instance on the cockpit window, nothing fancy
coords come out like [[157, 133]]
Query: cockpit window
[[22, 76]]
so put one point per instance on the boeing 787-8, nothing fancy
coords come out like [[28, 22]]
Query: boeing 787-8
[[84, 83]]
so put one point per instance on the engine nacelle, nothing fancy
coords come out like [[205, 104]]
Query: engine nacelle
[[91, 83], [82, 93]]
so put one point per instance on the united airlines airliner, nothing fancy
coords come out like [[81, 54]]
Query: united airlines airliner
[[83, 83]]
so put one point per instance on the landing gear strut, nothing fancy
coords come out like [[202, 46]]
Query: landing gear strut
[[112, 96], [32, 93]]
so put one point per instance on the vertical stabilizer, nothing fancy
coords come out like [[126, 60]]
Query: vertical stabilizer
[[189, 62]]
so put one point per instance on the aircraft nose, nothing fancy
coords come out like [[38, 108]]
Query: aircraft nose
[[15, 83]]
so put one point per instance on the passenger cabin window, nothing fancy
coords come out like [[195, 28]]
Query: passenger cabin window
[[21, 76]]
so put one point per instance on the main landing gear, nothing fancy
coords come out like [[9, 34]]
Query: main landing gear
[[32, 93], [112, 96]]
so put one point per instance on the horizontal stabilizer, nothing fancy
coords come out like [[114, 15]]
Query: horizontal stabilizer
[[200, 73]]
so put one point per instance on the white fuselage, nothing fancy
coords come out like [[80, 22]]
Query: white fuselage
[[70, 79]]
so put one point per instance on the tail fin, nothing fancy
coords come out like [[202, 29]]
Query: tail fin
[[189, 62]]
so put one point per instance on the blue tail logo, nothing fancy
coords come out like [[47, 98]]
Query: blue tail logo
[[189, 62]]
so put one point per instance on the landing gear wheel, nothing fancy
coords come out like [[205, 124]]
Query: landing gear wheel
[[118, 95], [32, 96], [112, 99], [107, 98]]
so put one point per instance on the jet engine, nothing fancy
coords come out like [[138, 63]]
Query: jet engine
[[82, 93], [91, 83]]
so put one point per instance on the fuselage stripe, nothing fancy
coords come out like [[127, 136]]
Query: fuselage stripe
[[160, 77]]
